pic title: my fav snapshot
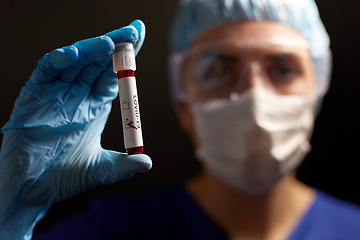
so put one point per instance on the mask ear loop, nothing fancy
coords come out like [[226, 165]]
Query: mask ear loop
[[253, 70]]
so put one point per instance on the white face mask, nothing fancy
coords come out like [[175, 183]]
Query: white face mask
[[252, 142]]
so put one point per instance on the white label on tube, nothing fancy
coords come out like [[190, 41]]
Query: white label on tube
[[130, 112]]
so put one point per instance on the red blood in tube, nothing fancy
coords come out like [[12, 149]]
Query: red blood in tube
[[135, 150], [125, 73]]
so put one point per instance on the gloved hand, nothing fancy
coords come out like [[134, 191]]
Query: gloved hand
[[51, 147]]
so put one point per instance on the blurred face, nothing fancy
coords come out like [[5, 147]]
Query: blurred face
[[231, 58], [248, 92]]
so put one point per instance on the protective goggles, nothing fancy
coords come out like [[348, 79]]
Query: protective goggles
[[225, 69]]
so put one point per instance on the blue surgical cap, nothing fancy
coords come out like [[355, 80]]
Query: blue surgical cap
[[196, 16]]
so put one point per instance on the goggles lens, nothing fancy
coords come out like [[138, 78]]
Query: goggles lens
[[221, 70]]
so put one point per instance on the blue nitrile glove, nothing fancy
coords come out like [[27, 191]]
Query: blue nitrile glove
[[51, 147]]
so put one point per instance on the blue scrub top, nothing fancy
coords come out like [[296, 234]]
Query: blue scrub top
[[172, 213]]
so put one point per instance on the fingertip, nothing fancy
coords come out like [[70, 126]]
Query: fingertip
[[124, 34], [107, 45], [135, 33], [95, 49], [61, 57], [123, 166], [144, 159], [141, 29]]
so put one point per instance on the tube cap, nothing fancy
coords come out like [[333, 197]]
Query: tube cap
[[124, 57]]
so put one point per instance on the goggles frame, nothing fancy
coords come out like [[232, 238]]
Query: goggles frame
[[321, 62]]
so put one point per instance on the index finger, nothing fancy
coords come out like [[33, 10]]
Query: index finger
[[87, 51], [134, 33]]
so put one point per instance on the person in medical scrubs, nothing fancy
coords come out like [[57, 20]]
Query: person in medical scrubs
[[247, 80]]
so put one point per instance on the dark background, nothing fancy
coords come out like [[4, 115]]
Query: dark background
[[29, 29]]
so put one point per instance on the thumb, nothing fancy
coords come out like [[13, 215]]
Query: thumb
[[115, 166]]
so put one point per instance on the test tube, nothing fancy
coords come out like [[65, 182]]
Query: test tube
[[124, 65]]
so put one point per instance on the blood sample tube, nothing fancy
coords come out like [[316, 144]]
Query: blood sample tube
[[124, 65]]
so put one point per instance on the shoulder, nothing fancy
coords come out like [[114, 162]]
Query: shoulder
[[329, 218], [336, 209]]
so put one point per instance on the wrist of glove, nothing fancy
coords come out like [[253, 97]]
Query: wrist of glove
[[51, 147]]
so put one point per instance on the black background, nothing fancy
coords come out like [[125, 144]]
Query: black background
[[29, 29]]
